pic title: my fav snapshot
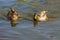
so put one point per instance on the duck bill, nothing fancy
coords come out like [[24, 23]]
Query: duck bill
[[12, 24]]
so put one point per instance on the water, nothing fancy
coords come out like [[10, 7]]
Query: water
[[24, 30]]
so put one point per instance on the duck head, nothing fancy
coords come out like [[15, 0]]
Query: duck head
[[35, 22], [12, 10]]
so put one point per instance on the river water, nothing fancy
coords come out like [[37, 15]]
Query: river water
[[24, 30]]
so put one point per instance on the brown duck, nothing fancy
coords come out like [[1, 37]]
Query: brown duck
[[12, 16]]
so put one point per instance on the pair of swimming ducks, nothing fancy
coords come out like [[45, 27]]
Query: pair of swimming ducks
[[13, 16]]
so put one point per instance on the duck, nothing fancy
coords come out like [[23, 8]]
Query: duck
[[41, 16], [12, 15]]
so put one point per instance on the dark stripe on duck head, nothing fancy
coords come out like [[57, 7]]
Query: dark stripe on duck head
[[12, 10]]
